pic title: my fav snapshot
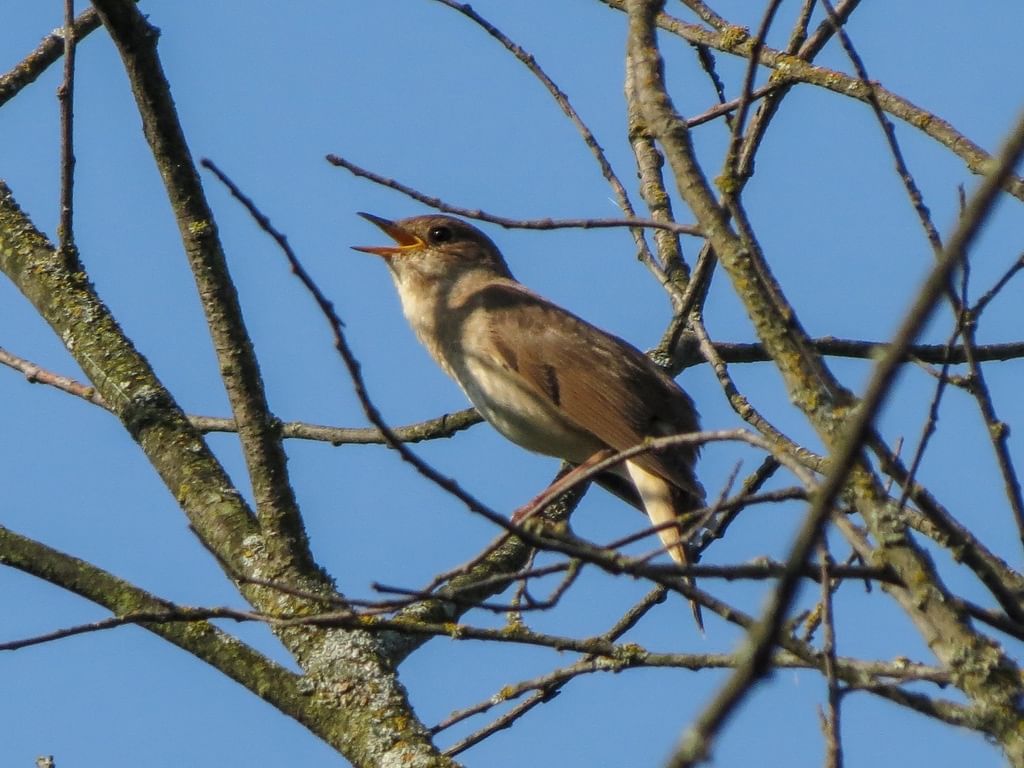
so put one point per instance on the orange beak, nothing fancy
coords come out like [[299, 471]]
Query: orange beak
[[405, 240]]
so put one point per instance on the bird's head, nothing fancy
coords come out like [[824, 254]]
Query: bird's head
[[435, 247]]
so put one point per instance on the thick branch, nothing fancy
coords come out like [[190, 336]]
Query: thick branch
[[46, 53], [269, 681], [738, 42], [341, 666], [257, 428], [981, 668]]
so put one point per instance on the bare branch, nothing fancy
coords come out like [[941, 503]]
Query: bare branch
[[49, 50], [792, 69], [503, 221], [66, 97]]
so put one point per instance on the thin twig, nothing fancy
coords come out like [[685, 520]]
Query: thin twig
[[991, 293], [746, 94], [560, 97], [50, 49], [938, 523], [448, 424], [998, 431], [66, 97], [931, 422], [796, 70], [546, 687], [351, 364], [888, 129], [504, 221], [833, 738]]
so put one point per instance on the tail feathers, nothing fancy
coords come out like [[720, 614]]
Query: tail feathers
[[663, 503], [678, 553]]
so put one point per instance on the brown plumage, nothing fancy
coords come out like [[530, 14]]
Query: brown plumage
[[543, 377]]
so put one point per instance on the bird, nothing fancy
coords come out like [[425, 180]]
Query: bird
[[543, 377]]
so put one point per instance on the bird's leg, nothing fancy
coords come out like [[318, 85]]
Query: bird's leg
[[558, 487]]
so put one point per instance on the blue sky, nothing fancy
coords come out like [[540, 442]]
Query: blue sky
[[413, 91]]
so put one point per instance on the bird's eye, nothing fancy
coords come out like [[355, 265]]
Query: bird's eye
[[439, 234]]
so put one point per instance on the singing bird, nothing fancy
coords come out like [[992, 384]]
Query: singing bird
[[543, 377]]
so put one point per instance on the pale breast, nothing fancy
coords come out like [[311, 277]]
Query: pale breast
[[519, 413], [457, 335]]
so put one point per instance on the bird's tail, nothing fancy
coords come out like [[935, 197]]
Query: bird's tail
[[671, 538], [664, 503]]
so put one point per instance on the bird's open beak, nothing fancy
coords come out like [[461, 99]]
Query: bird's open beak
[[405, 240]]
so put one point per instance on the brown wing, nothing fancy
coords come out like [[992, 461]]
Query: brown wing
[[570, 362]]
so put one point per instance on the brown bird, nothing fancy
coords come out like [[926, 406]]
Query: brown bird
[[544, 378]]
